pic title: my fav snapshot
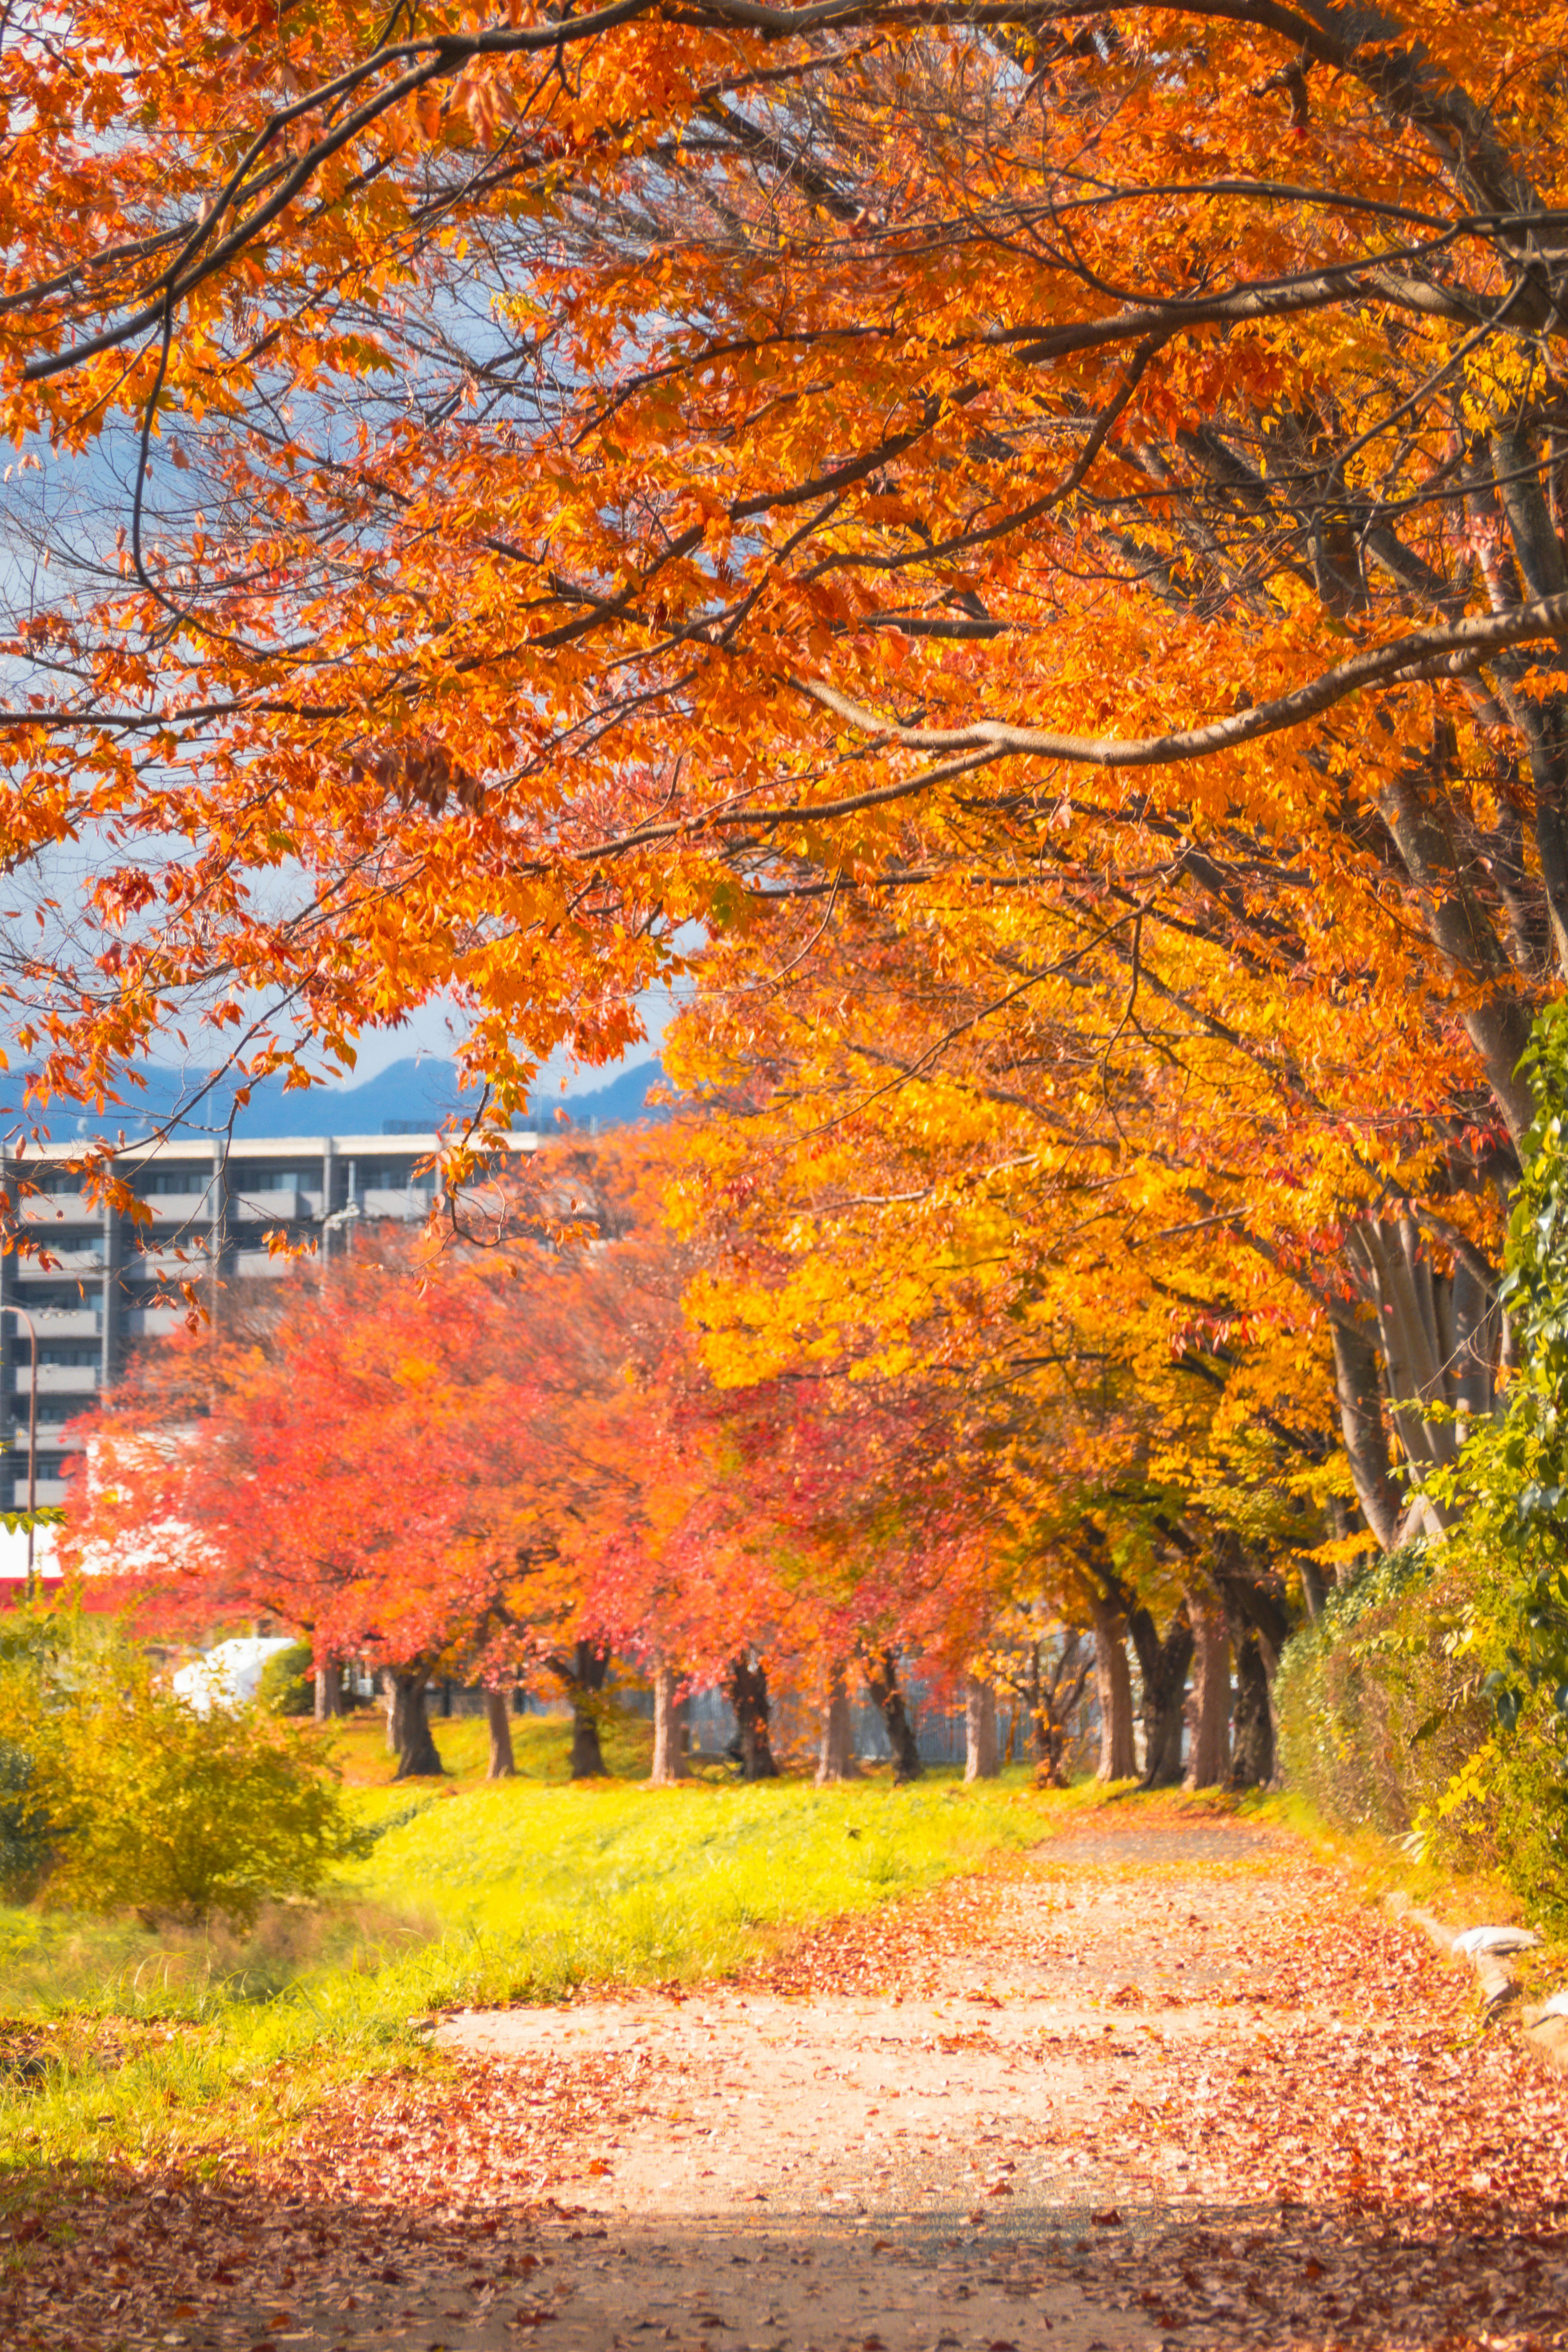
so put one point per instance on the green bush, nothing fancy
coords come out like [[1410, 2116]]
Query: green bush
[[23, 1835], [1436, 1691], [130, 1801], [1380, 1706], [288, 1684]]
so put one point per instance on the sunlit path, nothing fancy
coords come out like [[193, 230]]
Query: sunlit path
[[1163, 2081]]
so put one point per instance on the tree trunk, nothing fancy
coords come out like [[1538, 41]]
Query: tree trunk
[[389, 1701], [835, 1746], [1252, 1748], [882, 1682], [1054, 1702], [1162, 1670], [581, 1673], [329, 1692], [1113, 1686], [1314, 1584], [748, 1694], [587, 1680], [1475, 1391], [669, 1724], [1366, 1439], [1208, 1754], [502, 1765], [416, 1755], [981, 1754]]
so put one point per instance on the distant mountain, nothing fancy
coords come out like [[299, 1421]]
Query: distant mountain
[[623, 1103], [411, 1095]]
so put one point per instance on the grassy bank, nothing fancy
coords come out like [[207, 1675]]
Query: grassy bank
[[122, 2041]]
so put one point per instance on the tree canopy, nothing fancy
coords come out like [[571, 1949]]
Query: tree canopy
[[1032, 534]]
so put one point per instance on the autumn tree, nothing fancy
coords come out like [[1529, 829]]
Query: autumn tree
[[390, 1473], [1042, 525], [551, 626]]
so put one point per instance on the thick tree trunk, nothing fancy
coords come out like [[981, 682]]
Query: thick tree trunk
[[1162, 1670], [1208, 1754], [589, 1668], [502, 1765], [1498, 1017], [1361, 1420], [748, 1694], [882, 1682], [587, 1750], [581, 1673], [1475, 1337], [329, 1692], [1113, 1687], [1412, 1346], [836, 1745], [1317, 1583], [669, 1730], [1252, 1745], [416, 1755], [982, 1752]]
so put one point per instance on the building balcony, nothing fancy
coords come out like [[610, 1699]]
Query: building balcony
[[179, 1208], [262, 1266], [85, 1257], [59, 1209], [66, 1322], [55, 1380], [151, 1322], [404, 1201], [268, 1208], [49, 1490], [184, 1263], [49, 1438]]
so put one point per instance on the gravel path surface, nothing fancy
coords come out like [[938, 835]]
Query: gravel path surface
[[1162, 2082]]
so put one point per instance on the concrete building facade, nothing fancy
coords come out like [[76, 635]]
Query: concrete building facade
[[209, 1207]]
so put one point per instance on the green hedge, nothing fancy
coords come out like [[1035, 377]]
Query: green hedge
[[1378, 1712], [287, 1682]]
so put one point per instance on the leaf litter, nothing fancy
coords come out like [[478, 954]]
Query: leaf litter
[[1173, 2086]]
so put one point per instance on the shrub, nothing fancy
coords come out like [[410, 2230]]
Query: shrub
[[132, 1802], [24, 1839], [1379, 1706], [1477, 1633], [288, 1684]]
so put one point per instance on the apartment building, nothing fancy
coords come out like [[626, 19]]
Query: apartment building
[[107, 1290]]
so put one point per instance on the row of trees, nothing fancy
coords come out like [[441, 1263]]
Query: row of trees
[[1035, 534], [510, 1463]]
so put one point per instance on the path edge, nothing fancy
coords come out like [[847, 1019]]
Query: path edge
[[1545, 2034]]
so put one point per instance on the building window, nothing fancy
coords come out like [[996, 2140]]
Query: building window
[[51, 1180], [394, 1176], [163, 1180], [272, 1180]]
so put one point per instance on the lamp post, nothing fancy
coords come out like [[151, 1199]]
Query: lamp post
[[22, 1317], [328, 1226]]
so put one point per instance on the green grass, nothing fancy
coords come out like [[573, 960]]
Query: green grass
[[183, 2045]]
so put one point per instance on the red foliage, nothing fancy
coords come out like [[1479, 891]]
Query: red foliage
[[465, 1469]]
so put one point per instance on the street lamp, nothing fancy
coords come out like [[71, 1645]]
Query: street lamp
[[339, 1217], [22, 1317]]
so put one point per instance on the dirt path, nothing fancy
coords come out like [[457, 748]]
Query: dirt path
[[1161, 2082]]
